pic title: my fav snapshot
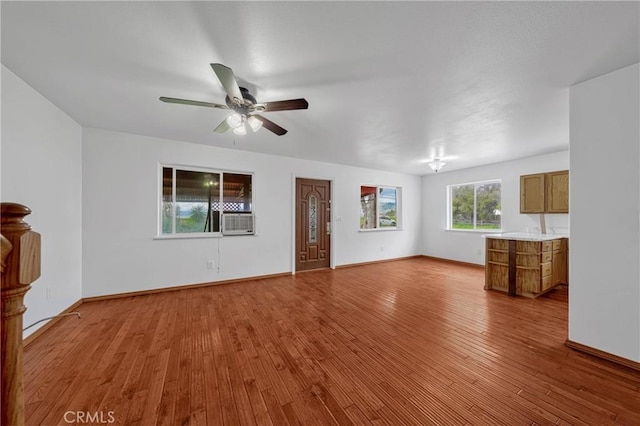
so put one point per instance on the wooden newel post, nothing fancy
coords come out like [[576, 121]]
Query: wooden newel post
[[20, 265]]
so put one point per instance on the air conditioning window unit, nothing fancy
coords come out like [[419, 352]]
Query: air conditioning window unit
[[238, 224]]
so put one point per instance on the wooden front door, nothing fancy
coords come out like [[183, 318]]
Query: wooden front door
[[313, 224]]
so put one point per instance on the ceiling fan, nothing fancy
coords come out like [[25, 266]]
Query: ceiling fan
[[244, 106]]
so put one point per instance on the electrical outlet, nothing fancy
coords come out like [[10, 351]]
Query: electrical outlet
[[211, 264], [479, 251], [381, 248], [48, 293]]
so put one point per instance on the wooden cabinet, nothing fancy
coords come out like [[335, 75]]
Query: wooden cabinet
[[559, 260], [532, 193], [545, 192], [533, 273], [557, 192], [497, 265], [527, 268]]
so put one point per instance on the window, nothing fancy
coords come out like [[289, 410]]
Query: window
[[475, 206], [192, 201], [379, 207]]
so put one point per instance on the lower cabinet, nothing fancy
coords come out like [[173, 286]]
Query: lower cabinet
[[527, 268], [560, 256]]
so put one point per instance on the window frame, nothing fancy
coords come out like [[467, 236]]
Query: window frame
[[199, 169], [398, 225], [475, 184]]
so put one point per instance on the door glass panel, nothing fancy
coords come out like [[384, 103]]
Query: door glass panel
[[313, 219]]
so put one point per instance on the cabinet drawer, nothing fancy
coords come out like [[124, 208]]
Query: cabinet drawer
[[546, 269], [546, 256], [546, 245], [557, 244]]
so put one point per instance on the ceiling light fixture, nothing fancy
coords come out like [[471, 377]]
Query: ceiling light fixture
[[234, 120], [254, 123], [436, 165], [240, 130]]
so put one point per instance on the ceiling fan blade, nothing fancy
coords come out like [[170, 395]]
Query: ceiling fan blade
[[228, 80], [222, 127], [286, 105], [270, 125], [190, 102]]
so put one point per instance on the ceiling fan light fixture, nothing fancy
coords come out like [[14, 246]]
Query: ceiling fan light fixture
[[254, 123], [436, 165], [234, 120], [242, 105], [240, 130]]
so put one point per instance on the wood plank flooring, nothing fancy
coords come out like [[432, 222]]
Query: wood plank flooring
[[415, 341]]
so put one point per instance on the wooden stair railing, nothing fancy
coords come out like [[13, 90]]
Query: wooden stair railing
[[19, 266]]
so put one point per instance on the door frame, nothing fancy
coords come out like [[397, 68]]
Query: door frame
[[332, 242]]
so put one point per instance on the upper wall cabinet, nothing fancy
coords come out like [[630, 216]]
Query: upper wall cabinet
[[532, 193], [557, 191], [545, 192]]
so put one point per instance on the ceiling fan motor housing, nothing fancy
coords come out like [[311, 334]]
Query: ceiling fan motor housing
[[243, 108]]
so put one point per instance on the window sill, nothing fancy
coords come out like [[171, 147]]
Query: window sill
[[188, 236], [380, 229], [479, 231]]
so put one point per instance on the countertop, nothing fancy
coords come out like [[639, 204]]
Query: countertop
[[525, 236]]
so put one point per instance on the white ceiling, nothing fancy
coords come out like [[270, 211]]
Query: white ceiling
[[390, 85]]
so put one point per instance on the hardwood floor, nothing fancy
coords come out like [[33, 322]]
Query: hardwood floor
[[416, 341]]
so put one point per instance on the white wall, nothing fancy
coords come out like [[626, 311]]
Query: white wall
[[468, 246], [120, 202], [604, 295], [42, 169]]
